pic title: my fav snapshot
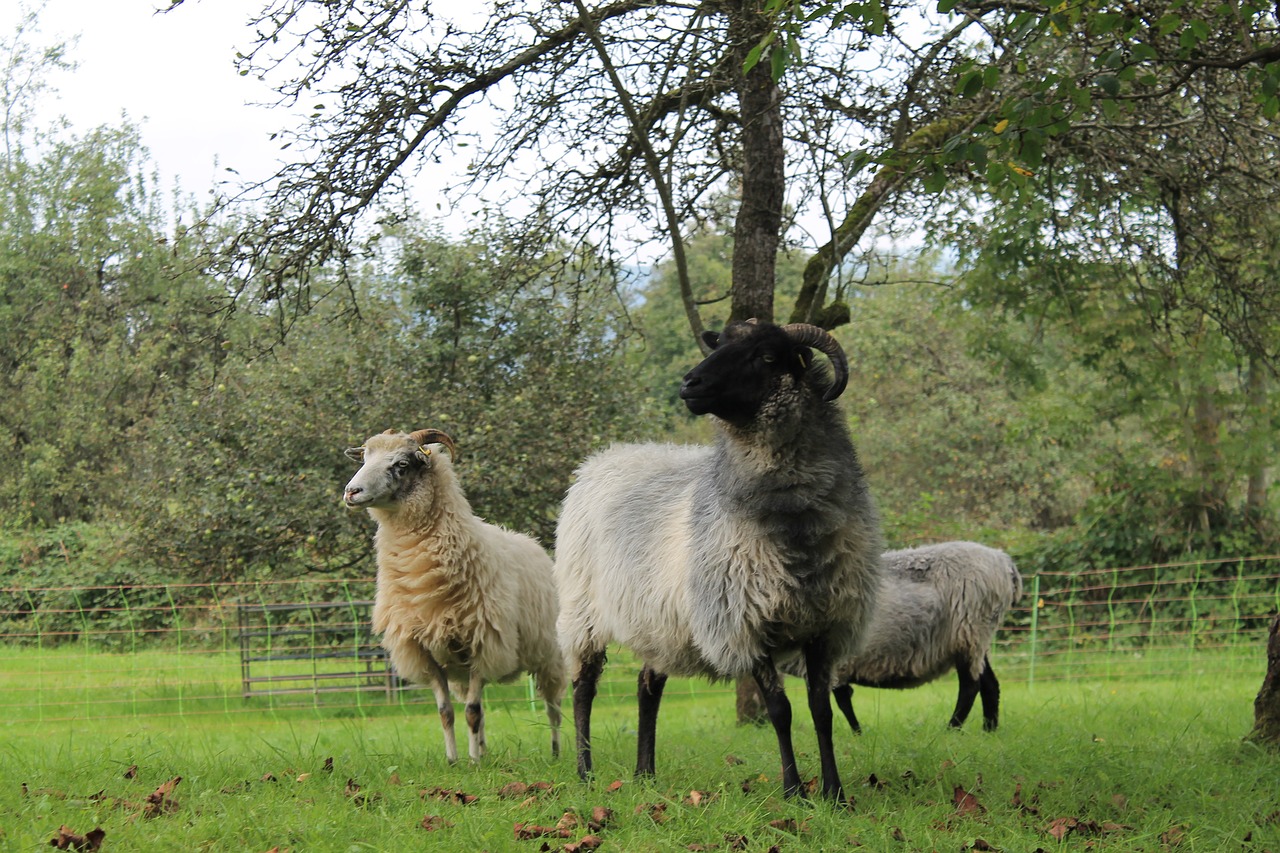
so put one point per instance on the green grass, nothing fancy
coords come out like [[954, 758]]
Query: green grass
[[1151, 764]]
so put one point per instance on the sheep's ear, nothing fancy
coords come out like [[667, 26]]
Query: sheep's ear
[[711, 339], [355, 454], [423, 453]]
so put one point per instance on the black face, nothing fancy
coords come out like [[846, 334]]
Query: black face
[[735, 378]]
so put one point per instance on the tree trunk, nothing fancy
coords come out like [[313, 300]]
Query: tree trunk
[[1266, 708], [751, 709], [1256, 497], [758, 227]]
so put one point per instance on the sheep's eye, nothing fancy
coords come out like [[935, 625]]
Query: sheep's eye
[[769, 358], [400, 466]]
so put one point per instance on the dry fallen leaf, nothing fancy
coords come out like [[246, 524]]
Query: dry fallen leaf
[[966, 804], [432, 822], [131, 772], [459, 797], [68, 839]]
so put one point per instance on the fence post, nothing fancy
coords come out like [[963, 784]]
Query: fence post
[[1035, 621]]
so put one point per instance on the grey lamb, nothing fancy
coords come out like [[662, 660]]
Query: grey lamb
[[939, 609], [719, 561]]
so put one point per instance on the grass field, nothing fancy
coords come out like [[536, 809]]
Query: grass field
[[1122, 764]]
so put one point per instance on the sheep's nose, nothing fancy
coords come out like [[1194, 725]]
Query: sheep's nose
[[350, 494]]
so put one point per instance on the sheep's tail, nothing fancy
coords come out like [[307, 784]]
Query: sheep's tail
[[1015, 577]]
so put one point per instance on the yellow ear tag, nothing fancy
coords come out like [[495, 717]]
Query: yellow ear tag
[[424, 450], [803, 361]]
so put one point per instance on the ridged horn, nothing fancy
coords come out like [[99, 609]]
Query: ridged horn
[[822, 340], [423, 437]]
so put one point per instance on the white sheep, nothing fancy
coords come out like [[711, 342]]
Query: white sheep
[[715, 561], [939, 609], [458, 600]]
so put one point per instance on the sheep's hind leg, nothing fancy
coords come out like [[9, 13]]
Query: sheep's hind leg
[[551, 688], [967, 693], [843, 694], [775, 702], [444, 704], [649, 696], [476, 746], [584, 693], [818, 685], [989, 688]]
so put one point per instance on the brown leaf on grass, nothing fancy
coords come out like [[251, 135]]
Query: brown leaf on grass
[[1030, 808], [979, 844], [302, 777], [268, 777], [528, 831], [702, 848], [1173, 836], [790, 824], [600, 818], [697, 798], [328, 765], [615, 785], [967, 804], [432, 822], [131, 772], [394, 779], [352, 793], [1064, 826], [733, 760], [459, 797], [68, 839], [586, 842], [747, 783], [656, 811], [874, 781], [1120, 801], [736, 842], [811, 787], [897, 834], [513, 790], [160, 802]]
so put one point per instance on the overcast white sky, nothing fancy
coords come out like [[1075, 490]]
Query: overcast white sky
[[172, 74]]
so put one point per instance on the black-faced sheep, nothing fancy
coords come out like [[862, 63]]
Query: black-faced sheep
[[458, 600], [716, 561], [939, 609]]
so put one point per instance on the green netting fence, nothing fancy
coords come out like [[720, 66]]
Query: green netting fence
[[102, 652]]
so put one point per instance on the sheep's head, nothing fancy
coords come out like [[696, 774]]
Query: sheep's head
[[393, 463], [747, 361]]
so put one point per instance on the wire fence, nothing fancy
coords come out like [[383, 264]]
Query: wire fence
[[104, 652]]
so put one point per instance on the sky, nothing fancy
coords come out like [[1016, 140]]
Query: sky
[[173, 75]]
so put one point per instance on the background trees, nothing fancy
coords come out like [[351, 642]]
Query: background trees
[[1077, 364]]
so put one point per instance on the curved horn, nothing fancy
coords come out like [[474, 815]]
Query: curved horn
[[423, 437], [821, 340]]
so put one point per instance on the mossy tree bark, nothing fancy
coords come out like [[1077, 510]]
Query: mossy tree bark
[[1266, 707]]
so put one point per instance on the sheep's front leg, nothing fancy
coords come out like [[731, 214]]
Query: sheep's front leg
[[444, 704], [649, 696], [775, 702], [584, 694], [476, 745], [818, 683], [843, 694]]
